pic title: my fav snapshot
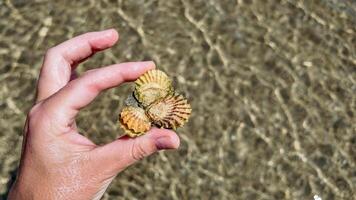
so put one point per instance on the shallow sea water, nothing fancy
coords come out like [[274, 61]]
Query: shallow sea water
[[272, 85]]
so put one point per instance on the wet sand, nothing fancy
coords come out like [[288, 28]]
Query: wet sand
[[272, 85]]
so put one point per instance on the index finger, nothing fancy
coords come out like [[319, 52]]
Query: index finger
[[63, 58], [80, 92]]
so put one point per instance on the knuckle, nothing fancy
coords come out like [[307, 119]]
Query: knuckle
[[90, 83], [34, 116], [138, 151], [76, 85], [34, 111], [51, 51]]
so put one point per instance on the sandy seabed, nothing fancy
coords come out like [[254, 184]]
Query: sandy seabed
[[272, 85]]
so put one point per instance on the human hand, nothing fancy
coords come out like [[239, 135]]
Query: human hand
[[59, 163]]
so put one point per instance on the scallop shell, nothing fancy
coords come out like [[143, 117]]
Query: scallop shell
[[134, 121], [169, 112], [151, 86]]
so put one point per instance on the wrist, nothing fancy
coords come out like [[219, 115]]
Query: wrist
[[21, 191]]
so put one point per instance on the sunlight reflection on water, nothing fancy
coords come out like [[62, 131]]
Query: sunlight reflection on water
[[316, 197]]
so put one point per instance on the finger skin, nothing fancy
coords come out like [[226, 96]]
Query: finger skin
[[61, 60], [66, 103], [125, 151]]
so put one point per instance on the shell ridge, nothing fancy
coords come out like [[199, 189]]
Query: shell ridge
[[134, 121], [169, 112]]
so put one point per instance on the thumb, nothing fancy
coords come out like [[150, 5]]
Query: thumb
[[125, 151]]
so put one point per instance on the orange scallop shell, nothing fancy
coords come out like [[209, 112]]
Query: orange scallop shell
[[134, 121]]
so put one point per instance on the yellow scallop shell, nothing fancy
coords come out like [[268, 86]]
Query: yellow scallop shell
[[169, 112], [134, 121], [151, 86]]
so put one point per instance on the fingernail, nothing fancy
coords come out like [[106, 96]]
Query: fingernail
[[149, 63], [104, 39], [163, 143], [109, 32]]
